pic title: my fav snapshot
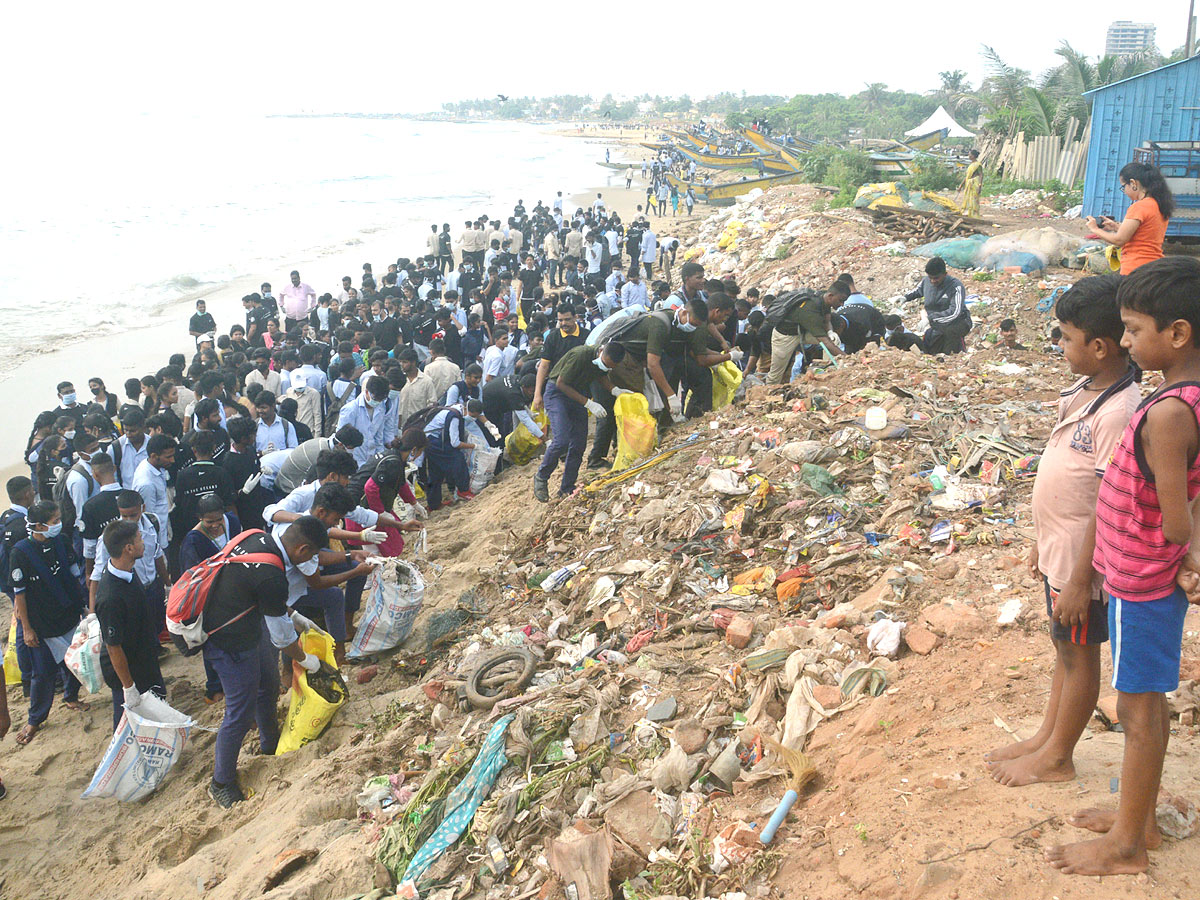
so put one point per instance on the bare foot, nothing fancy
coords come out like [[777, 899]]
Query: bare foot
[[74, 704], [1031, 769], [1013, 751], [1101, 820], [1098, 857]]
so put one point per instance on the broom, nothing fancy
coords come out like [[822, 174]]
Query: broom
[[803, 771]]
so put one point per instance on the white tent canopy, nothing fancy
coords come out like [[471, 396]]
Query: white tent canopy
[[939, 120]]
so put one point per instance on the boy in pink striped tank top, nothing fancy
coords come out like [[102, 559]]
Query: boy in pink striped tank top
[[1143, 527], [1092, 415]]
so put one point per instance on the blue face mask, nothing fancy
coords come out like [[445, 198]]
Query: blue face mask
[[68, 399], [53, 531], [686, 327], [372, 402]]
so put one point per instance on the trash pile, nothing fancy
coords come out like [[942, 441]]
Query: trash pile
[[633, 710]]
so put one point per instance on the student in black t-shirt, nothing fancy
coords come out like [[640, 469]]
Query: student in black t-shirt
[[49, 602], [241, 462], [129, 657], [247, 621], [202, 476], [202, 321]]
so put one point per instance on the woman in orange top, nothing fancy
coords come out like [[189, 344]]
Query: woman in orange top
[[1140, 236]]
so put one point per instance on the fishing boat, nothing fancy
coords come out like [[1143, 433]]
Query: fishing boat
[[715, 161], [726, 194], [615, 165]]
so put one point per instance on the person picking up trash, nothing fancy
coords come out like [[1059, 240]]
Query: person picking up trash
[[946, 307], [1144, 526], [567, 401], [1092, 413], [129, 653], [246, 618]]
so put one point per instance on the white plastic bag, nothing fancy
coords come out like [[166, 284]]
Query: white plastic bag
[[483, 467], [396, 592], [883, 638], [144, 748], [83, 656]]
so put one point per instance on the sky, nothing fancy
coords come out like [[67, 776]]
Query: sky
[[75, 62]]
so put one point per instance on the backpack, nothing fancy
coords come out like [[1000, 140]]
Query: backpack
[[5, 550], [621, 323], [335, 404], [190, 593], [785, 304], [66, 506]]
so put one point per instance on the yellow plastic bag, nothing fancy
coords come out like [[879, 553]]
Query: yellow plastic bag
[[521, 447], [308, 712], [12, 672], [637, 430], [727, 378]]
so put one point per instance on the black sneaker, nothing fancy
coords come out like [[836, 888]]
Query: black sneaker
[[541, 489], [597, 464], [225, 795]]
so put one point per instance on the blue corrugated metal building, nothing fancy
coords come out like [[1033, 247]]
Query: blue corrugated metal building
[[1153, 117]]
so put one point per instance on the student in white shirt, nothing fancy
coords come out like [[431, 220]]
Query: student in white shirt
[[497, 360]]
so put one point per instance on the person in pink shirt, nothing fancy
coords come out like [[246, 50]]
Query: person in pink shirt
[[299, 299]]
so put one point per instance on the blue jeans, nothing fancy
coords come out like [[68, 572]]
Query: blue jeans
[[41, 691], [250, 681], [568, 437]]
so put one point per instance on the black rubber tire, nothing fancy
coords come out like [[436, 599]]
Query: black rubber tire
[[475, 694]]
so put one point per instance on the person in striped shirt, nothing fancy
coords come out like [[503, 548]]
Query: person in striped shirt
[[1142, 533]]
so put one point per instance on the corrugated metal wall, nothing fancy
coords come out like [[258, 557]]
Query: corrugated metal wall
[[1151, 107]]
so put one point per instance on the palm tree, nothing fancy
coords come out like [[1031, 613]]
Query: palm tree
[[1067, 82], [1005, 85]]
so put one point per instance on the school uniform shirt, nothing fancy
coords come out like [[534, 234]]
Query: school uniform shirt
[[96, 515], [151, 483], [300, 501], [123, 612], [240, 467], [193, 482], [256, 320], [504, 395], [443, 373], [279, 435], [81, 489], [16, 528], [197, 546], [145, 567], [634, 294], [1089, 427], [378, 426], [649, 247], [49, 615], [557, 343], [260, 588], [595, 253], [498, 363], [309, 376], [128, 458], [449, 423]]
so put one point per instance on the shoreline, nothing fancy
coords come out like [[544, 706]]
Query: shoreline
[[27, 386]]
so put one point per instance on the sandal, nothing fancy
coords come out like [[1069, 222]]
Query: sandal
[[26, 734], [75, 705]]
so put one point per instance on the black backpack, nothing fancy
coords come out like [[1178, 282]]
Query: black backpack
[[787, 303], [5, 563]]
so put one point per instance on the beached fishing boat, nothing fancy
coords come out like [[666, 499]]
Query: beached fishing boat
[[726, 194], [615, 165], [714, 161]]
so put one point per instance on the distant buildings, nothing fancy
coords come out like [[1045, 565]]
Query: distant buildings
[[1128, 37]]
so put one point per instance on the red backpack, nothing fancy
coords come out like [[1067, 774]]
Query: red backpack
[[189, 595]]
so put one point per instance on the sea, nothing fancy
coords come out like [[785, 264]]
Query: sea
[[103, 231]]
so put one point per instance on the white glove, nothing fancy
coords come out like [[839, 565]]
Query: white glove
[[899, 298], [133, 697], [310, 663], [596, 409], [618, 391], [270, 447], [251, 482], [736, 354], [675, 405], [372, 536], [303, 623]]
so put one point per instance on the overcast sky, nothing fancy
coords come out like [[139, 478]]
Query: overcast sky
[[82, 60]]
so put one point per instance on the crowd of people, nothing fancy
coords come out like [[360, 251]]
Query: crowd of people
[[288, 439]]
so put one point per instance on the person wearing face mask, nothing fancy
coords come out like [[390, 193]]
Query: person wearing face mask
[[568, 401], [77, 488], [262, 373], [101, 396], [69, 405], [375, 416], [49, 601]]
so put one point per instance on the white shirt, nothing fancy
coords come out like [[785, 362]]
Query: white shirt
[[594, 254], [130, 458], [144, 567], [614, 241], [151, 482], [649, 246], [634, 294], [77, 490], [558, 203], [498, 363], [310, 376], [279, 435]]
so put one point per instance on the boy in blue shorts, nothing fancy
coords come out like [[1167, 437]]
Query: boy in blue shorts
[[1092, 415], [1142, 531]]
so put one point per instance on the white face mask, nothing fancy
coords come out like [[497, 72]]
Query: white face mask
[[686, 327], [69, 435], [600, 365], [372, 402]]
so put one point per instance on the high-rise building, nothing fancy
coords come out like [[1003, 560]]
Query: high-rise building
[[1128, 37]]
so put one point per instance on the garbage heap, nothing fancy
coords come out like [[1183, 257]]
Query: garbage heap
[[632, 689]]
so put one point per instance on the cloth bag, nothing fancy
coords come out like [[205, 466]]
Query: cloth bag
[[308, 712], [146, 745], [391, 610], [83, 656]]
